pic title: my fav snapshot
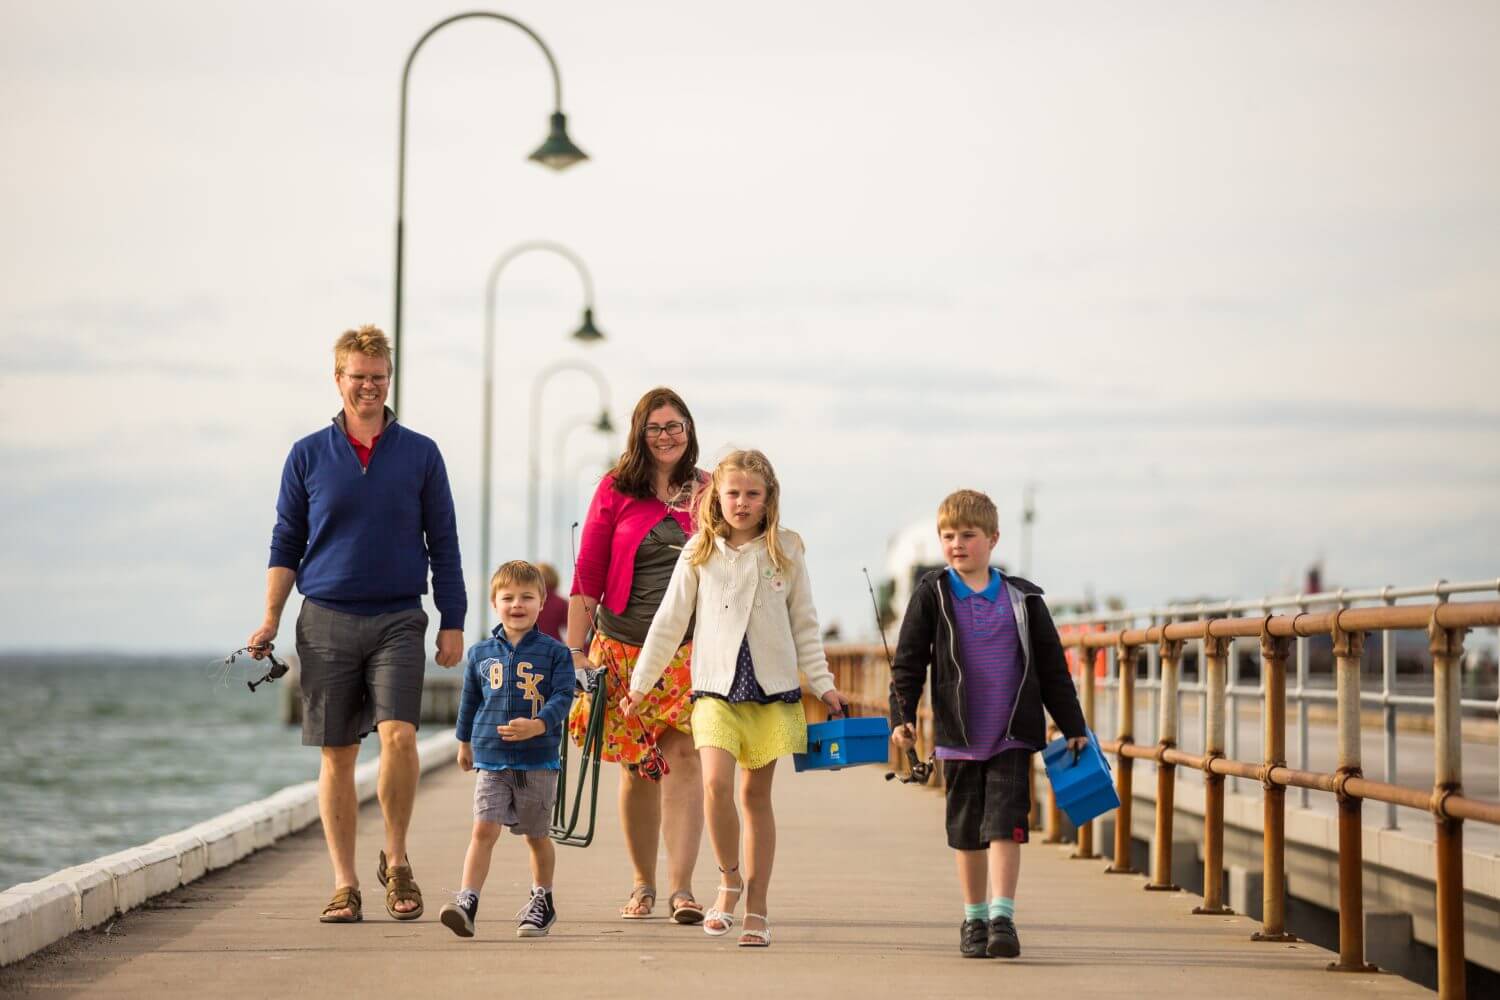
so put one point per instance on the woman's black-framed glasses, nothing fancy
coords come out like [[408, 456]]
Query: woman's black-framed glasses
[[671, 429]]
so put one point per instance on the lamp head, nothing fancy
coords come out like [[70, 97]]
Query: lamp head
[[558, 152], [604, 425], [587, 332]]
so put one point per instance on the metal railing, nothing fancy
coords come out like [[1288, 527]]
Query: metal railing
[[1445, 624], [1388, 700]]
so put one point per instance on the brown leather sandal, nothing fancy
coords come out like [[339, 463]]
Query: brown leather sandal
[[399, 887], [344, 898]]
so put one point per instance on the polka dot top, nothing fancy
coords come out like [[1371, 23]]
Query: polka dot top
[[745, 688]]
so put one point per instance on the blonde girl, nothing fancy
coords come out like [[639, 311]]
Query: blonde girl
[[742, 579]]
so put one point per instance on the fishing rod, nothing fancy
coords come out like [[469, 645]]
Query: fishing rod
[[918, 770]]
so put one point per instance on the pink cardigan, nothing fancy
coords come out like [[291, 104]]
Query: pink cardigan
[[613, 529]]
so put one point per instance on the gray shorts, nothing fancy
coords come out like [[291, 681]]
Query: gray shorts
[[357, 671], [521, 800]]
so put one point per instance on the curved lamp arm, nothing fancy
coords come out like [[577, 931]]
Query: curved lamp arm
[[401, 153], [534, 246]]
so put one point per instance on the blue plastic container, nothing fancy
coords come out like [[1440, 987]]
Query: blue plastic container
[[844, 743], [1084, 789]]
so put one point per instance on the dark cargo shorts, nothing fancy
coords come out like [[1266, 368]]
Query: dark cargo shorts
[[988, 800], [358, 671]]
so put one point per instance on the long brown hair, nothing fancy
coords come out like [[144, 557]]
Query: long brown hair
[[634, 473], [711, 521]]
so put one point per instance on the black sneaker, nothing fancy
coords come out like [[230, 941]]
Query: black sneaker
[[1003, 940], [536, 918], [458, 916], [973, 937]]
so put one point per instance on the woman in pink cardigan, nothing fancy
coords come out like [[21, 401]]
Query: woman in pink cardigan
[[634, 531]]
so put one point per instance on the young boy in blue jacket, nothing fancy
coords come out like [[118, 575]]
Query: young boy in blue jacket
[[518, 686], [996, 661]]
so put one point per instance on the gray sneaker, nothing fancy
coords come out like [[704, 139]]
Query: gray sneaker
[[536, 918]]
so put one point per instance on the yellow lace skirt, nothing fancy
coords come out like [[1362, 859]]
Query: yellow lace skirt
[[754, 734], [667, 706]]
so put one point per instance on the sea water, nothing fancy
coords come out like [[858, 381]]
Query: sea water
[[100, 752]]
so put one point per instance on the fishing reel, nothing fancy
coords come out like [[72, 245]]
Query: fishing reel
[[918, 771], [277, 669], [653, 766]]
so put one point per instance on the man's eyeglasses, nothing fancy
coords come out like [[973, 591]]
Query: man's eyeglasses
[[672, 429], [378, 381]]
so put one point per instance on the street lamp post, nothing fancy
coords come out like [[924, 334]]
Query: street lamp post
[[533, 473], [582, 490], [586, 333], [557, 152], [562, 486]]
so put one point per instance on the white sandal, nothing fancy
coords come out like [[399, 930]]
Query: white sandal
[[715, 915], [750, 937]]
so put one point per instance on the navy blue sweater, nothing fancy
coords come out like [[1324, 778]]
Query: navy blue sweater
[[360, 539], [533, 680]]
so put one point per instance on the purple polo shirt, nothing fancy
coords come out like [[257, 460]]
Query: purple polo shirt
[[990, 649]]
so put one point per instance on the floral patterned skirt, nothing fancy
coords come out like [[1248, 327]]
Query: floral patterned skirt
[[669, 705]]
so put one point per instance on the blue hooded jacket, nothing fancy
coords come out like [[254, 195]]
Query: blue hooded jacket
[[532, 680]]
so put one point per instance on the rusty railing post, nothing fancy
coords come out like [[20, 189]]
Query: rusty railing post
[[1125, 732], [1273, 657], [1166, 774], [1447, 650], [1052, 815], [1215, 649], [1347, 650], [1086, 656]]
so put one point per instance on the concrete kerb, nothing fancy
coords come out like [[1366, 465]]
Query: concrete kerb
[[190, 851], [140, 873], [36, 914], [94, 889], [294, 808], [33, 915]]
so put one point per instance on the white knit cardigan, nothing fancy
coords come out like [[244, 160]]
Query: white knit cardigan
[[739, 593]]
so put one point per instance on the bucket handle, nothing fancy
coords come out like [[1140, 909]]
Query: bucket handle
[[816, 746]]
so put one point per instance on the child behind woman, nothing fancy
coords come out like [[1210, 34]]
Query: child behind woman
[[743, 581]]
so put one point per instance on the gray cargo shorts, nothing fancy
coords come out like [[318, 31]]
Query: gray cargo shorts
[[521, 800], [358, 671]]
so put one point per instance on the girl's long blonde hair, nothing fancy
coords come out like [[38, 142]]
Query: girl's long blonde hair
[[711, 522]]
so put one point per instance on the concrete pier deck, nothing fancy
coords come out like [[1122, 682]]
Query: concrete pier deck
[[863, 903]]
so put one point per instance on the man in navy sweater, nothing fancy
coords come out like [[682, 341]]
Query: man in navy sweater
[[364, 508]]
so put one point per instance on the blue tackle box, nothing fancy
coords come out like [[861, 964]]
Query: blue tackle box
[[1084, 788], [844, 743]]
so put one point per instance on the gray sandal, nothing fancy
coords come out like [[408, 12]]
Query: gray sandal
[[638, 897]]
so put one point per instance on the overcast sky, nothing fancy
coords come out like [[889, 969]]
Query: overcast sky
[[1220, 279]]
